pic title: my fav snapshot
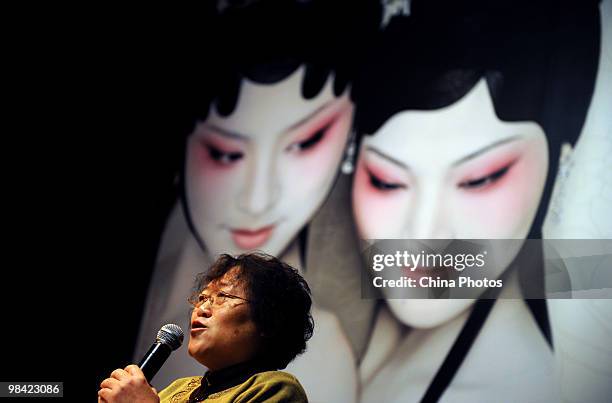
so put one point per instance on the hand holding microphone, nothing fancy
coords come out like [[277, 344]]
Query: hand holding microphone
[[131, 384], [127, 385]]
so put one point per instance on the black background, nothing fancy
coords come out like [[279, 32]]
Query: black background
[[90, 152]]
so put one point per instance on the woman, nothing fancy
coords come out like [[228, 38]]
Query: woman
[[272, 121], [462, 137], [251, 317]]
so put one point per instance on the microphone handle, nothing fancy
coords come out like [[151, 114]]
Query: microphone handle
[[154, 359]]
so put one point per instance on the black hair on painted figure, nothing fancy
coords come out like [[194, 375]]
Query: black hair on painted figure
[[265, 41]]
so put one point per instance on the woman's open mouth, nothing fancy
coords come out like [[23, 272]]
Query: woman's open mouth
[[197, 327], [252, 239]]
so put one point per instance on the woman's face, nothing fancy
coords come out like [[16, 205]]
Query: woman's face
[[454, 173], [224, 334], [256, 177]]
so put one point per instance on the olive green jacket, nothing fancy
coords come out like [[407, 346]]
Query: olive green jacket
[[268, 386]]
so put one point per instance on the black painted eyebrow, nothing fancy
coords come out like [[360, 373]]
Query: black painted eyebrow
[[243, 137], [227, 133], [485, 149], [454, 164], [308, 117], [387, 157]]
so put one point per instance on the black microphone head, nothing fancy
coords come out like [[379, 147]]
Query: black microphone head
[[171, 335]]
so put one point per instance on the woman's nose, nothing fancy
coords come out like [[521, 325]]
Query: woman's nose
[[260, 189], [204, 310], [429, 216]]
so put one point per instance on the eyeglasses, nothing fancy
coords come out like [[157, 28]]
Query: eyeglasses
[[217, 299]]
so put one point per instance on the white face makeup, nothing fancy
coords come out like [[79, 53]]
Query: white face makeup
[[453, 173], [257, 176]]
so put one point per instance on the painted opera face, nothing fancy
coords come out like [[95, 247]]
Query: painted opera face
[[454, 173], [256, 177]]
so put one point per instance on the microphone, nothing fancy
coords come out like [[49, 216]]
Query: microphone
[[169, 338]]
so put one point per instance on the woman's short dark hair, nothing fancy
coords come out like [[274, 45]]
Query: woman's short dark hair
[[279, 302]]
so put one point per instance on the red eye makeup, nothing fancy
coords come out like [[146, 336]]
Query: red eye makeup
[[487, 180], [310, 142], [315, 132], [220, 156], [382, 184], [381, 175], [215, 150]]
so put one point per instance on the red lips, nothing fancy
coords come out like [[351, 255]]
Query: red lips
[[421, 271], [252, 239]]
